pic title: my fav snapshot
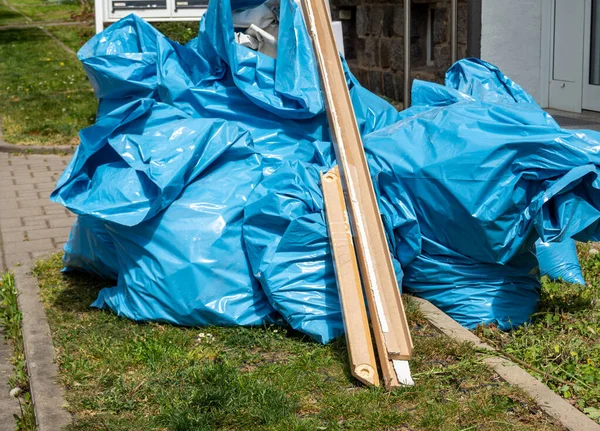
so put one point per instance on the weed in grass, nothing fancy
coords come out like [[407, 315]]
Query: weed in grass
[[122, 375], [10, 320]]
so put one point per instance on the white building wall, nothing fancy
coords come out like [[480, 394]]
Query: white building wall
[[511, 39]]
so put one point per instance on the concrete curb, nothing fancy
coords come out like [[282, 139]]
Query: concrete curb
[[48, 396], [35, 149], [554, 405]]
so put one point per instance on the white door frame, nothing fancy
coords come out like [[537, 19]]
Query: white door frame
[[547, 58], [546, 51], [591, 93]]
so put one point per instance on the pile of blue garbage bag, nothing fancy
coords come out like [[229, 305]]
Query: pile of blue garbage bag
[[198, 194]]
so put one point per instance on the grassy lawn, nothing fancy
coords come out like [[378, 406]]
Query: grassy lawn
[[563, 339], [121, 375], [45, 96], [42, 11]]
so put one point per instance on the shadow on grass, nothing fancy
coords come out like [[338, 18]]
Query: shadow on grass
[[6, 15], [81, 289], [21, 35]]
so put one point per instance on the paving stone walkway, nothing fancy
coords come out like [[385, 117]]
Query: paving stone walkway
[[30, 226]]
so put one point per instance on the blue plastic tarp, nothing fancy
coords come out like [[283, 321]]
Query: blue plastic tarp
[[171, 199], [198, 187], [488, 173]]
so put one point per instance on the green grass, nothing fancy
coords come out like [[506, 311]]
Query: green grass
[[42, 11], [181, 32], [121, 375], [563, 338], [10, 320], [45, 96]]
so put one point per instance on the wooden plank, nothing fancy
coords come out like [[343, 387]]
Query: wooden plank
[[354, 311], [385, 304]]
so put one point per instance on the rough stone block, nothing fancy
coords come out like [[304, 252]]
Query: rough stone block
[[389, 89], [396, 55], [442, 56], [362, 21], [376, 14], [388, 21], [399, 83], [375, 81], [384, 53], [441, 28], [372, 52], [398, 21]]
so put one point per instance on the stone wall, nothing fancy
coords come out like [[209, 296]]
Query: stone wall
[[374, 45]]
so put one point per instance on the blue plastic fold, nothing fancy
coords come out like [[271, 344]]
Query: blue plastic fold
[[559, 261], [292, 258]]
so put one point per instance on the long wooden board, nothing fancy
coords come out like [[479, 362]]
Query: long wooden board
[[352, 300], [385, 304]]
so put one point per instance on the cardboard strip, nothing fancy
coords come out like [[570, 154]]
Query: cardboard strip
[[385, 304], [354, 311]]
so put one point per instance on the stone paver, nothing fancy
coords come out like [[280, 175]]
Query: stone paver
[[30, 226]]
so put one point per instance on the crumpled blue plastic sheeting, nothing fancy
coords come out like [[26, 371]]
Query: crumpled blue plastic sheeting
[[184, 135], [91, 249], [559, 261], [187, 265], [556, 259], [487, 172], [292, 258], [286, 239], [189, 137]]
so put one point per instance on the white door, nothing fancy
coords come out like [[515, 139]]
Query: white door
[[591, 59], [566, 66]]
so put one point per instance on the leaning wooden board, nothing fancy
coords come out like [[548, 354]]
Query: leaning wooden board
[[352, 300], [389, 323]]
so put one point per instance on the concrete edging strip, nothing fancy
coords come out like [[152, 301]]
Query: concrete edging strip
[[553, 404], [35, 149], [47, 394]]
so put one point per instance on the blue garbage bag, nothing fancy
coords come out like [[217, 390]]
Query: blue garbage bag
[[150, 155], [90, 248], [188, 265], [162, 168], [286, 239], [188, 170], [292, 258], [488, 173], [559, 261]]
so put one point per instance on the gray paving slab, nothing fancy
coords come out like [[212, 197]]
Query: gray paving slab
[[30, 226]]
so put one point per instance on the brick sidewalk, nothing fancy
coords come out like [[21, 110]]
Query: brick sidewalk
[[30, 226]]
